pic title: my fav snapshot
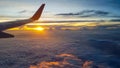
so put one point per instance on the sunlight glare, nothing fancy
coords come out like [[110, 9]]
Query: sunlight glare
[[39, 28]]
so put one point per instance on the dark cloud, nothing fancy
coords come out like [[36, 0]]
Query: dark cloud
[[87, 13], [23, 11], [115, 20], [90, 13], [68, 14], [93, 12]]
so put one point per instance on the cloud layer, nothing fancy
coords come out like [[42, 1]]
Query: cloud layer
[[65, 61], [90, 13]]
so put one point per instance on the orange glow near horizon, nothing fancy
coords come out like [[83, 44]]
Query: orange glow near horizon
[[39, 28]]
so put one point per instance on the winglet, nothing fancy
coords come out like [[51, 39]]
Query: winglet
[[37, 15]]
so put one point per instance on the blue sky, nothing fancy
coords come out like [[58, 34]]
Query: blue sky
[[82, 9]]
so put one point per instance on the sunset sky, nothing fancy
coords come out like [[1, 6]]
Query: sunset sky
[[61, 9]]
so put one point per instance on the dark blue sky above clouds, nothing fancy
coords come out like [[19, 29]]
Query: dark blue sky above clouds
[[77, 8]]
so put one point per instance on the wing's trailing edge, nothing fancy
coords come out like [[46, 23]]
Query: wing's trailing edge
[[38, 13]]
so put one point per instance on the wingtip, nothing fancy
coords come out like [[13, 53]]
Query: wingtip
[[43, 4], [38, 13]]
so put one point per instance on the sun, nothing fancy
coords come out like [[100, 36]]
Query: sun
[[39, 28]]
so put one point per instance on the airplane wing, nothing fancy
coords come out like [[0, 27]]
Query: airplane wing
[[12, 24]]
